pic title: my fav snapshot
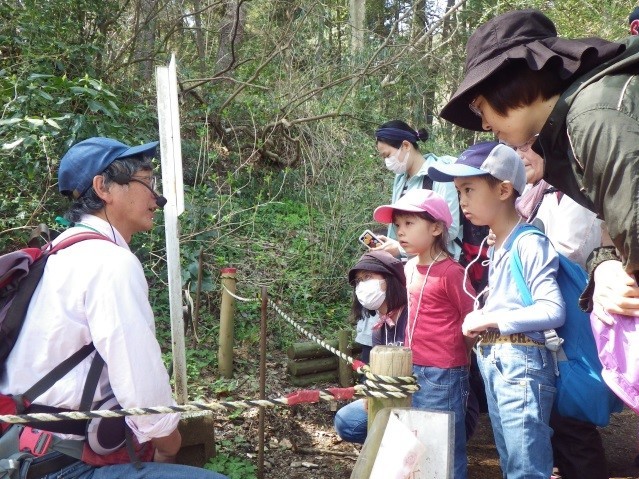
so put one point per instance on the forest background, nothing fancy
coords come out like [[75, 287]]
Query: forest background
[[279, 101]]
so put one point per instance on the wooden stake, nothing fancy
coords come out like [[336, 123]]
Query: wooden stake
[[389, 361], [227, 311], [260, 453], [345, 371]]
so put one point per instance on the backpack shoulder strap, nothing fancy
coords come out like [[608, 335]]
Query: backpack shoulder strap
[[57, 373], [16, 313], [552, 340], [76, 238], [427, 182], [91, 382], [17, 310], [516, 266]]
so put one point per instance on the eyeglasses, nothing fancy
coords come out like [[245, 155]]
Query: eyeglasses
[[525, 147], [148, 181], [474, 108]]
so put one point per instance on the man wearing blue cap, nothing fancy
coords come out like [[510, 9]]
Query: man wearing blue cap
[[95, 293]]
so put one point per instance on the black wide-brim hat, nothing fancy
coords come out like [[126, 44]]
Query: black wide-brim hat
[[520, 35]]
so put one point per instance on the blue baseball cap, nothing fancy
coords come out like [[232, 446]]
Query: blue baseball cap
[[91, 157], [486, 158]]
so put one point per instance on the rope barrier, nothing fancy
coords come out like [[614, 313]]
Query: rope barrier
[[376, 386], [358, 366], [297, 397]]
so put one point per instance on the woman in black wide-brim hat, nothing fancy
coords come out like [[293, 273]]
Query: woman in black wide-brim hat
[[576, 102]]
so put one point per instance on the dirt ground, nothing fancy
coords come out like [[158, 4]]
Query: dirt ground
[[302, 444]]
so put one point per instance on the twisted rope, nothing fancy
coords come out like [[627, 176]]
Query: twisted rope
[[376, 386], [360, 367], [298, 397]]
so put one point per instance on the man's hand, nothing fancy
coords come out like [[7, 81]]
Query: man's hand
[[166, 448], [615, 292]]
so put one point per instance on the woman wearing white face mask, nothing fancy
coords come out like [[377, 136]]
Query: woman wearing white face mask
[[379, 296], [396, 143]]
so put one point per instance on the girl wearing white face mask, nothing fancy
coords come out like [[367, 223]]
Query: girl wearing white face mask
[[379, 296], [396, 143]]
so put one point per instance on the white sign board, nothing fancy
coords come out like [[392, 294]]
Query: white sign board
[[173, 190]]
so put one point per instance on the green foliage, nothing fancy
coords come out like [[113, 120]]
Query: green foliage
[[232, 466], [280, 171]]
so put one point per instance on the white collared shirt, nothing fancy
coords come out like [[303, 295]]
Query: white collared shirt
[[94, 291]]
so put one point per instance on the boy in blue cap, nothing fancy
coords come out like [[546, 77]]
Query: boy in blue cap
[[518, 370]]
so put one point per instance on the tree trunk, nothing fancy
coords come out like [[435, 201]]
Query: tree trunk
[[144, 45], [357, 13], [231, 35], [376, 16], [199, 35], [419, 19]]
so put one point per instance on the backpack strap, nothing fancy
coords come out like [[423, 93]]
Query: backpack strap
[[56, 374], [17, 310], [552, 341], [73, 239], [91, 382], [427, 182]]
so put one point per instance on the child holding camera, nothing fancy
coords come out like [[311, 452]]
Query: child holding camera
[[437, 305]]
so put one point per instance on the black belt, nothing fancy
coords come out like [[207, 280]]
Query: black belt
[[51, 462]]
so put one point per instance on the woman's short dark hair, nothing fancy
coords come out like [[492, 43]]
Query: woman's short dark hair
[[516, 86], [422, 134], [395, 297], [90, 202]]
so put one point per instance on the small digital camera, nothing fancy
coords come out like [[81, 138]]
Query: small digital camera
[[368, 239]]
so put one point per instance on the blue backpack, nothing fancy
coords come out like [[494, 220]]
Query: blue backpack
[[581, 391]]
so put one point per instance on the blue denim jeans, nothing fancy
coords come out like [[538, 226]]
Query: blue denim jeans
[[149, 470], [446, 390], [520, 389], [351, 422]]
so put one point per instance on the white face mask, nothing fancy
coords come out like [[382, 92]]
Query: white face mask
[[395, 165], [370, 294]]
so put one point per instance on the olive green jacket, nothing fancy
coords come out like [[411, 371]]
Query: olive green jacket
[[590, 144]]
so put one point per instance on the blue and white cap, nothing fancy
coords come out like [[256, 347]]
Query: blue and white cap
[[486, 158]]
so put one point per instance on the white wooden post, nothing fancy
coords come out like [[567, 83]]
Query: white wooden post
[[173, 190]]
